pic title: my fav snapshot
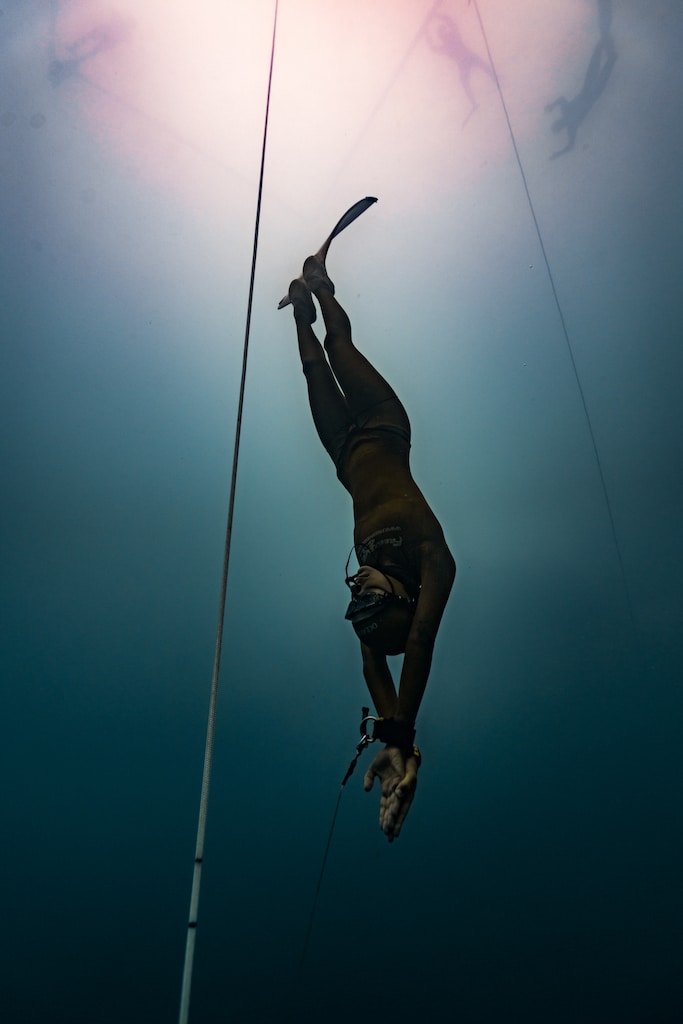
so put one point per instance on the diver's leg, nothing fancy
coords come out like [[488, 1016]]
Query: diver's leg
[[329, 408], [368, 394], [605, 16], [364, 387]]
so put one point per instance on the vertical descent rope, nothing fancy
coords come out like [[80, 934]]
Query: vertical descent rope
[[208, 750], [563, 324]]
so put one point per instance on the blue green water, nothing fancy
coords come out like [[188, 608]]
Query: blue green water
[[537, 876]]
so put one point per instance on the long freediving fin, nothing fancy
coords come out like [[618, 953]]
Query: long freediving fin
[[351, 214]]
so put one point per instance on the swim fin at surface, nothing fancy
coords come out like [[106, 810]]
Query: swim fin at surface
[[351, 214]]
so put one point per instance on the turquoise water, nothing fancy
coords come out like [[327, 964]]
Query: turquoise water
[[537, 876]]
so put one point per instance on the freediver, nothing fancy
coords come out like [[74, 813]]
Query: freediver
[[603, 59], [450, 42], [399, 593]]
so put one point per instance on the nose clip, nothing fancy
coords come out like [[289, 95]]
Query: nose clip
[[352, 583]]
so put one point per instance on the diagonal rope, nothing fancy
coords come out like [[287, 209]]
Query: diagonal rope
[[563, 323], [210, 730], [389, 85]]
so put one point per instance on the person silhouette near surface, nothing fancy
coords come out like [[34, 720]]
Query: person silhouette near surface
[[97, 40], [399, 593], [445, 37], [603, 59]]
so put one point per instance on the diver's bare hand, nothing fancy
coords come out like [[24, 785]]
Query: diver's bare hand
[[398, 780]]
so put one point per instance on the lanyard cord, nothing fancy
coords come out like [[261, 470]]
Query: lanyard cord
[[210, 730], [364, 741]]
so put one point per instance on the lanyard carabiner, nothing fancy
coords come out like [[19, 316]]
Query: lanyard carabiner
[[365, 739]]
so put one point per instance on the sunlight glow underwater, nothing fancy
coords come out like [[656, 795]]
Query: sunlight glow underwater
[[179, 92]]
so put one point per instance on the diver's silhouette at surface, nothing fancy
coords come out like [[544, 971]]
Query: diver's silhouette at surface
[[444, 37], [603, 59], [406, 571], [104, 37]]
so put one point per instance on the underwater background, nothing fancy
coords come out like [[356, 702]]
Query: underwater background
[[537, 877]]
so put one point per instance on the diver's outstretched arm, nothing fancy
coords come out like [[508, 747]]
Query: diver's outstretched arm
[[379, 682], [437, 574]]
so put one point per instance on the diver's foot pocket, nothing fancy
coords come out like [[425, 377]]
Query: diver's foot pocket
[[315, 274], [300, 297]]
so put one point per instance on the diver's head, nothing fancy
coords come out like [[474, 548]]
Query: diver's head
[[386, 629], [380, 615]]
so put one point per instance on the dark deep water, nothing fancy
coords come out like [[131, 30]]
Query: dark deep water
[[538, 875]]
